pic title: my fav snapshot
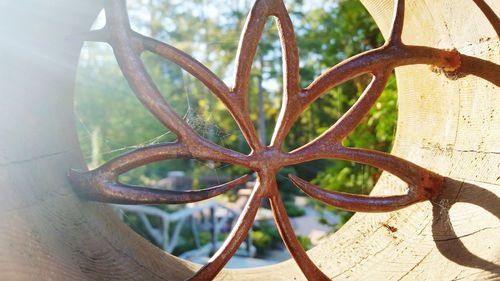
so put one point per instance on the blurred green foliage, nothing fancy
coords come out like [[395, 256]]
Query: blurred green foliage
[[262, 241], [305, 242], [293, 210], [265, 237]]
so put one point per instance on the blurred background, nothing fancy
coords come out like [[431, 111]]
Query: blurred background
[[111, 121]]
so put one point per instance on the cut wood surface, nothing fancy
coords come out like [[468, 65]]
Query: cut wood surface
[[449, 126]]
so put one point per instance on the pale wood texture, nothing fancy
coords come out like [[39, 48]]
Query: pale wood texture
[[451, 127]]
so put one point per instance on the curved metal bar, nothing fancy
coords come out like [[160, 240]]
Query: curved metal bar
[[101, 184], [310, 270], [358, 111], [357, 203], [490, 15], [289, 49], [235, 238], [188, 63], [165, 151], [420, 179], [387, 56], [135, 72], [98, 186], [291, 86], [424, 181], [142, 156], [250, 37], [348, 122]]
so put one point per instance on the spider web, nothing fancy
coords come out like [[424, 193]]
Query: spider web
[[90, 136]]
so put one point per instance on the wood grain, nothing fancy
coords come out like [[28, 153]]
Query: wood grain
[[449, 126]]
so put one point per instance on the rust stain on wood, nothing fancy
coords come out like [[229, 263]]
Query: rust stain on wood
[[389, 227]]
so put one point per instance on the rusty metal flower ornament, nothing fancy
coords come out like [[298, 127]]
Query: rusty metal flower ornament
[[102, 183]]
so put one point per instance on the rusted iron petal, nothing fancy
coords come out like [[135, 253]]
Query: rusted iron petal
[[188, 63], [358, 203], [102, 183], [310, 270], [428, 182], [245, 55], [235, 238], [353, 116], [97, 187], [291, 88], [490, 15]]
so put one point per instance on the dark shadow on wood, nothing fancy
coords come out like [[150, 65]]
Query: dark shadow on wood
[[447, 241]]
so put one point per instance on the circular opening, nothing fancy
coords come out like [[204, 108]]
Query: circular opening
[[111, 121]]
